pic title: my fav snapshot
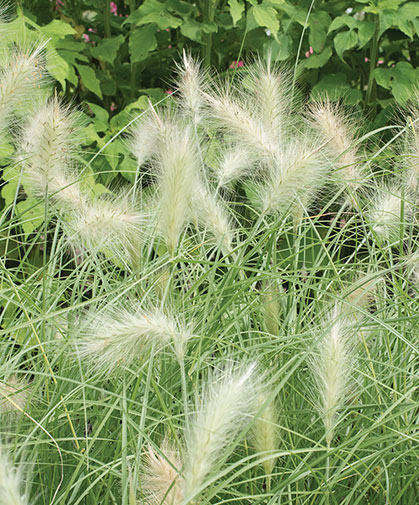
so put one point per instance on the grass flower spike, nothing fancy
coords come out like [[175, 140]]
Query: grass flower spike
[[161, 481], [10, 483], [120, 336], [227, 402], [332, 368]]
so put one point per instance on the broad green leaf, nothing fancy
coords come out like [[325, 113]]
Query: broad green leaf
[[344, 41], [317, 60], [266, 17], [57, 67], [340, 21], [31, 214], [335, 87], [57, 28], [402, 80], [142, 40], [107, 49], [153, 11], [279, 48], [8, 191], [366, 30], [89, 79], [236, 10], [319, 22], [101, 117]]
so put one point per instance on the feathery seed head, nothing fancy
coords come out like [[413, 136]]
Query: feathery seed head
[[191, 82], [332, 367], [13, 395], [334, 128], [10, 483], [177, 169], [212, 214], [112, 224], [385, 212], [227, 402], [265, 433], [235, 162], [160, 480], [120, 336]]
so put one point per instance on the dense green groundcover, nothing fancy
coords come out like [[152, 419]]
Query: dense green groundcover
[[209, 283]]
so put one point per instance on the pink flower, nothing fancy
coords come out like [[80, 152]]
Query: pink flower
[[93, 30], [311, 50], [169, 46], [169, 92], [307, 54], [113, 107], [114, 8], [366, 60], [85, 37], [380, 62], [236, 64]]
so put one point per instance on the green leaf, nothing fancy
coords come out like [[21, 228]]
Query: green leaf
[[266, 17], [335, 87], [57, 28], [344, 41], [89, 79], [401, 79], [366, 30], [57, 67], [142, 40], [279, 48], [101, 117], [31, 213], [317, 60], [319, 23], [236, 10], [340, 21], [107, 49]]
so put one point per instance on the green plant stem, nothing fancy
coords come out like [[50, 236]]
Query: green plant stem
[[211, 6], [372, 85], [134, 66], [107, 18]]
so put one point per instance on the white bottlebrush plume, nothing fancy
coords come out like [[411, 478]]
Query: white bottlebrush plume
[[384, 213], [48, 145], [22, 76], [332, 367], [299, 172], [265, 434], [338, 132], [161, 481], [270, 88], [227, 402], [13, 395], [145, 138], [112, 224], [234, 163], [11, 492], [176, 168], [212, 215], [411, 151], [116, 336], [236, 115], [191, 82]]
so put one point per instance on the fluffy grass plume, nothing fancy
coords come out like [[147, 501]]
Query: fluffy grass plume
[[191, 81], [233, 163], [117, 336], [265, 434], [298, 173], [160, 480], [227, 402], [176, 169], [13, 395], [338, 132], [332, 368], [385, 211], [10, 483], [48, 145], [110, 223], [211, 213]]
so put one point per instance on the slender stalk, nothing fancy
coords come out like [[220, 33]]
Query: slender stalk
[[372, 85]]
